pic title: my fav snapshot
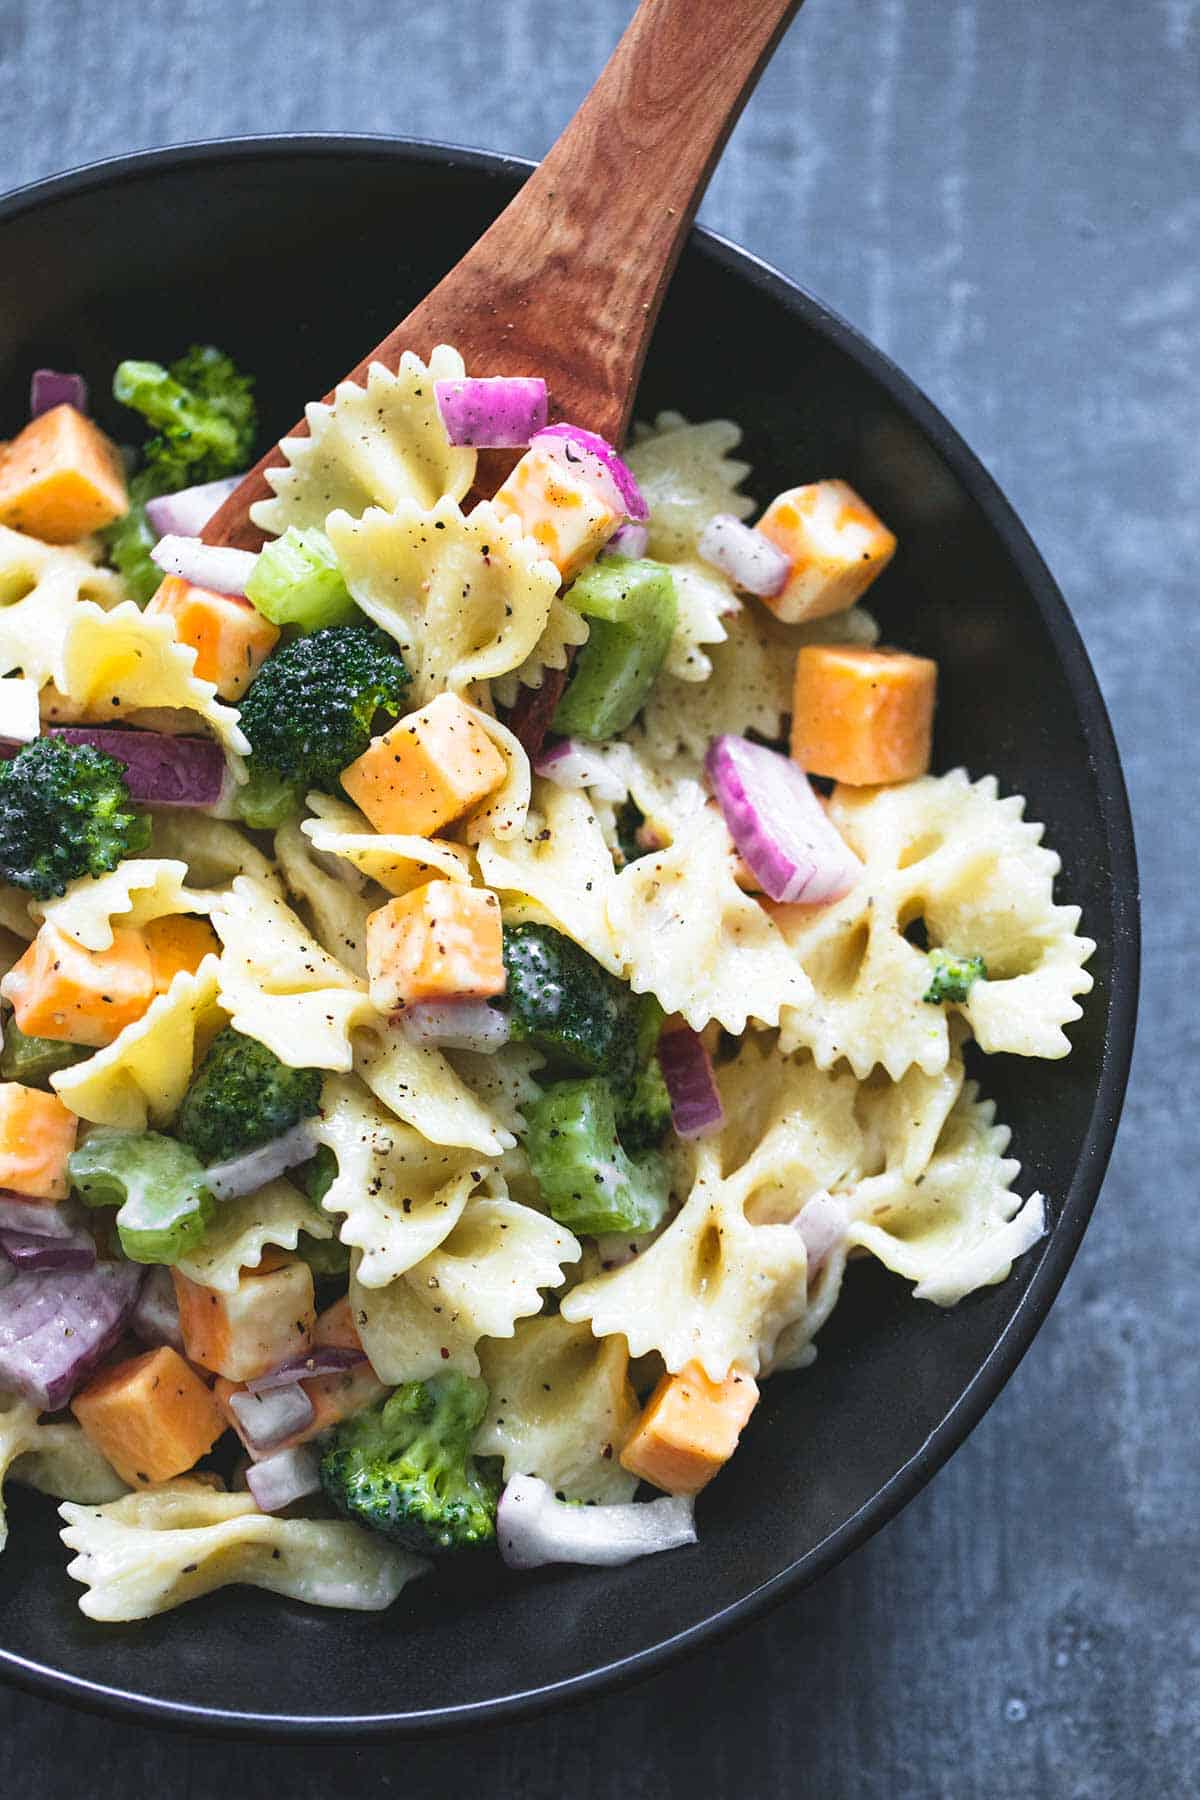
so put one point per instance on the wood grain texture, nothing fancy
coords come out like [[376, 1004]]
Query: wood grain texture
[[619, 189], [1004, 196]]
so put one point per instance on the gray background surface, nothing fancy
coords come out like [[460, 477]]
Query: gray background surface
[[1005, 195]]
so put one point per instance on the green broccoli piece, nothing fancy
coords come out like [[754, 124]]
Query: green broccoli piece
[[157, 1183], [33, 1060], [587, 1180], [952, 977], [326, 1257], [205, 423], [564, 1002], [644, 1110], [241, 1096], [65, 811], [308, 714], [404, 1467], [315, 1177], [296, 581]]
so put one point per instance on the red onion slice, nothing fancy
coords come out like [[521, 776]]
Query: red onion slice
[[24, 1251], [247, 1173], [265, 1420], [571, 765], [322, 1359], [534, 1527], [492, 412], [155, 1318], [160, 770], [39, 1218], [287, 1476], [532, 710], [213, 566], [455, 1025], [595, 461], [781, 830], [49, 388], [687, 1069], [751, 561], [187, 513], [628, 540], [56, 1325], [822, 1223]]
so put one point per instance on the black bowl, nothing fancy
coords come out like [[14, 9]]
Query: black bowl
[[296, 254]]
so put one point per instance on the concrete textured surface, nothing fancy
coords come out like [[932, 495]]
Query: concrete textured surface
[[1005, 195]]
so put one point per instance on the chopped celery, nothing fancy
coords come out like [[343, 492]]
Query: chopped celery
[[952, 977], [296, 581], [586, 1179], [632, 608], [32, 1060], [157, 1183], [563, 1001]]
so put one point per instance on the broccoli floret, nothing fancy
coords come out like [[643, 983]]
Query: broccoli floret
[[562, 1000], [309, 712], [315, 1177], [328, 1258], [65, 811], [952, 977], [404, 1467], [205, 421], [33, 1060], [644, 1110], [243, 1095], [586, 1178]]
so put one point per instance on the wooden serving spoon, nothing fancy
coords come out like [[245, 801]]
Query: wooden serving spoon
[[568, 281]]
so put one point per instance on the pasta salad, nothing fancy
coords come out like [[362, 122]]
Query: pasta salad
[[475, 973]]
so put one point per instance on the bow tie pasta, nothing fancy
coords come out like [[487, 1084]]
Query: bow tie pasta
[[477, 988]]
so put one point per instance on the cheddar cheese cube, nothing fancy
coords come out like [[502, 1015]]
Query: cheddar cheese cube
[[334, 1397], [231, 638], [863, 716], [269, 1316], [559, 509], [176, 942], [690, 1428], [152, 1417], [37, 1134], [427, 771], [61, 478], [440, 941], [60, 990], [836, 544]]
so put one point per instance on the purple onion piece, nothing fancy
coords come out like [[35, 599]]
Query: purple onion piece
[[265, 1420], [572, 765], [532, 710], [629, 539], [160, 770], [287, 1476], [247, 1173], [781, 830], [687, 1070], [594, 460], [186, 513], [155, 1318], [39, 1218], [213, 566], [534, 1527], [750, 560], [27, 1252], [56, 1325], [50, 388], [492, 412], [322, 1359], [455, 1025]]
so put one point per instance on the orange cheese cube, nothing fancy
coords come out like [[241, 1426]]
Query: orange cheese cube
[[60, 990], [863, 716], [440, 941], [178, 941], [151, 1417], [334, 1397], [559, 509], [428, 770], [37, 1134], [61, 478], [690, 1428], [231, 638], [269, 1316], [836, 543]]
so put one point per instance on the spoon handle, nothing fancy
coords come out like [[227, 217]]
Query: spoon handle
[[568, 280]]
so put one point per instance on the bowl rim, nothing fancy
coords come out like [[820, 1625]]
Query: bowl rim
[[1078, 1202]]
